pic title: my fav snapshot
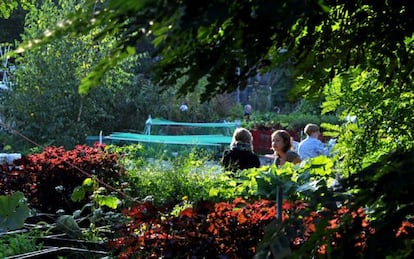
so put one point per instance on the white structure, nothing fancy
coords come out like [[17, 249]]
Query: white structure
[[4, 68], [9, 157]]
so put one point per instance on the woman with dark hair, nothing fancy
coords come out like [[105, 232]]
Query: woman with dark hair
[[282, 148], [240, 155]]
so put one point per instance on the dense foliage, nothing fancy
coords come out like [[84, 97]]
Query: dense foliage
[[47, 179], [324, 38], [228, 216], [357, 56], [383, 189], [206, 230], [382, 115], [124, 100], [15, 244], [8, 7], [53, 72]]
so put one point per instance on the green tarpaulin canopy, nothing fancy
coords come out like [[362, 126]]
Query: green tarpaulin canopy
[[180, 133], [205, 140]]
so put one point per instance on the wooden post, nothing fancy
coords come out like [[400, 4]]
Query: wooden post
[[279, 203]]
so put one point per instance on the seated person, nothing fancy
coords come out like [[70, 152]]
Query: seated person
[[240, 155], [282, 148], [311, 146]]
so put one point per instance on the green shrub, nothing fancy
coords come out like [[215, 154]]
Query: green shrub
[[18, 243], [292, 121], [168, 180]]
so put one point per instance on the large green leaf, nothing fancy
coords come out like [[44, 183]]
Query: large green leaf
[[68, 224], [109, 201], [13, 211]]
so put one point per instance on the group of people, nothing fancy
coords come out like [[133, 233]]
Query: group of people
[[241, 154]]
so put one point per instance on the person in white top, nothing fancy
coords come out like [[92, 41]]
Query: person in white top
[[247, 111], [311, 146], [148, 123]]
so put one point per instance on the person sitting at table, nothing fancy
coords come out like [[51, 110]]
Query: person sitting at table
[[282, 148], [311, 146], [240, 155]]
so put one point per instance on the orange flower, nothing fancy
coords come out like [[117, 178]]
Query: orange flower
[[242, 218], [322, 249], [403, 228]]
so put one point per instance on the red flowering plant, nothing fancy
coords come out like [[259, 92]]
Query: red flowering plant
[[48, 179], [238, 229], [366, 215], [307, 229], [324, 233], [207, 230]]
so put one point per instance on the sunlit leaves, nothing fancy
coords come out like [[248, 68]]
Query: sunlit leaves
[[7, 7], [381, 110], [107, 200], [409, 44], [54, 71], [88, 185], [325, 38], [160, 33], [319, 166]]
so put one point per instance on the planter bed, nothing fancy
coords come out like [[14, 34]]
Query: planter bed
[[62, 240], [67, 252]]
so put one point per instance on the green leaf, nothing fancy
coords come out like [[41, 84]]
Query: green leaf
[[67, 224], [109, 201], [213, 192], [311, 186], [78, 194], [265, 187], [89, 184], [13, 211], [130, 50], [323, 6]]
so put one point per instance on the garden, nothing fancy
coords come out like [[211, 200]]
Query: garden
[[105, 66], [106, 201], [116, 201]]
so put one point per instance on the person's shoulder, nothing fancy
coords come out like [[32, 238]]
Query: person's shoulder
[[293, 157], [245, 154], [292, 154], [254, 155], [227, 152]]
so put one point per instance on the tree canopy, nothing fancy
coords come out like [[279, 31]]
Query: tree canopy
[[356, 55], [229, 41]]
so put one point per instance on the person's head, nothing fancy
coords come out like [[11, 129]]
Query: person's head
[[312, 130], [281, 142], [242, 136]]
